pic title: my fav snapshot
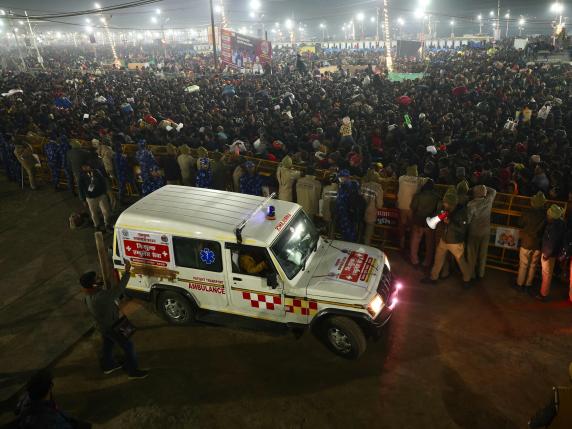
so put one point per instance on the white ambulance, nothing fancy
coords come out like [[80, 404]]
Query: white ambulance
[[199, 250]]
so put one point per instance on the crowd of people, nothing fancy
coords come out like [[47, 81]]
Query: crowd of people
[[482, 120]]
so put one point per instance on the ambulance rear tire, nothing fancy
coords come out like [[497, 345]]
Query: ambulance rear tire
[[176, 308], [344, 337]]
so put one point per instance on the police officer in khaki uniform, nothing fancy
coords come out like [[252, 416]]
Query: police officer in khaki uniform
[[308, 191], [329, 197], [188, 166], [286, 176], [372, 192], [25, 156]]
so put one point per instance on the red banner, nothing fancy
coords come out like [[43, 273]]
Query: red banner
[[354, 266], [150, 253], [240, 51]]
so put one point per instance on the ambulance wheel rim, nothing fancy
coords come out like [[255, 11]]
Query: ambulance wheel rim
[[174, 309], [339, 340]]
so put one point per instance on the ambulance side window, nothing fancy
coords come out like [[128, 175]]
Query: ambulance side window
[[197, 254]]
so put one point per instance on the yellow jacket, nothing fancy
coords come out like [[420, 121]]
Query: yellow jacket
[[249, 265]]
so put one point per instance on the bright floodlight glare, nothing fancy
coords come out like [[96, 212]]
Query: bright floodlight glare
[[322, 25], [252, 14], [557, 7], [289, 24], [255, 4], [21, 22], [419, 13], [158, 11], [423, 3], [452, 23], [88, 21], [102, 19], [521, 21], [97, 5], [507, 16], [400, 21], [89, 28], [2, 12], [154, 20], [491, 13], [480, 17], [372, 19], [360, 16]]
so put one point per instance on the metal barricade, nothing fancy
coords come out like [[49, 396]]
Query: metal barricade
[[506, 212]]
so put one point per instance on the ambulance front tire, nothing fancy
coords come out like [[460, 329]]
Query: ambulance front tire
[[176, 308], [344, 337]]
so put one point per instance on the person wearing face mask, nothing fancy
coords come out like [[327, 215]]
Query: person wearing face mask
[[102, 306]]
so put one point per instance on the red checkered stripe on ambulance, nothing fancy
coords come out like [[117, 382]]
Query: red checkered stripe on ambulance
[[258, 300]]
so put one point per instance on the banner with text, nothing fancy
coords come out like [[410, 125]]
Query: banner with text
[[243, 52]]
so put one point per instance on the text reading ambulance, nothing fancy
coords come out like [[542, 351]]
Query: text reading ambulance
[[195, 250]]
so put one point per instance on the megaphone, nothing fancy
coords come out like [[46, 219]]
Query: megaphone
[[433, 221]]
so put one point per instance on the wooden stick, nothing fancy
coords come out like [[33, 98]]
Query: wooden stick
[[103, 260]]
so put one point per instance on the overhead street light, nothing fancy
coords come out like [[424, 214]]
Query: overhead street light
[[97, 5], [557, 7], [255, 4]]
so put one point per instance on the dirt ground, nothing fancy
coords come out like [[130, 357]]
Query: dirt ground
[[452, 358], [484, 358]]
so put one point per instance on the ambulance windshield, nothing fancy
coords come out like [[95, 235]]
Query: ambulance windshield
[[295, 244]]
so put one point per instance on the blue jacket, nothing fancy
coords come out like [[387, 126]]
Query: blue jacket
[[553, 238]]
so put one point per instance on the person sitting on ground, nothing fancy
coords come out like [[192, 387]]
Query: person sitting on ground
[[38, 410]]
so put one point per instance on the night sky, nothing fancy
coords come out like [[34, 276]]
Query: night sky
[[194, 13]]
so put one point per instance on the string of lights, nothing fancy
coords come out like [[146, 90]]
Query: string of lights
[[97, 10]]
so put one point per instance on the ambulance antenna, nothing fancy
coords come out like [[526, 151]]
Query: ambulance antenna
[[242, 224]]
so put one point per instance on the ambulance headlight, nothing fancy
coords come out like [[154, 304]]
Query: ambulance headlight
[[375, 306]]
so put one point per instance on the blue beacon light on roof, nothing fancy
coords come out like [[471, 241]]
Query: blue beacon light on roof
[[270, 213]]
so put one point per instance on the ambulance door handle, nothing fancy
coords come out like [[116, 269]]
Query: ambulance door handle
[[238, 279]]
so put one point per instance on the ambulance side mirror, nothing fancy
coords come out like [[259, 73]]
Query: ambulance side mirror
[[272, 279]]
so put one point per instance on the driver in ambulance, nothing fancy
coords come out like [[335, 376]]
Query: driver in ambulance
[[249, 262]]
